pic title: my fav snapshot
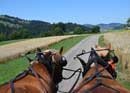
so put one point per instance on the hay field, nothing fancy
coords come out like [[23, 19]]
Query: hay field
[[13, 50], [121, 43]]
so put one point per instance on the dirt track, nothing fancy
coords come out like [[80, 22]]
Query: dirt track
[[85, 44], [13, 50]]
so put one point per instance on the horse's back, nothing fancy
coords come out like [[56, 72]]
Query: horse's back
[[33, 87], [19, 89], [31, 84], [101, 88]]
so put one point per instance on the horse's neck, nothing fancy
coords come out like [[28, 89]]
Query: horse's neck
[[93, 71], [41, 70]]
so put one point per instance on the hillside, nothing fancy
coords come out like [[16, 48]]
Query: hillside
[[111, 26], [10, 24], [16, 28], [106, 27]]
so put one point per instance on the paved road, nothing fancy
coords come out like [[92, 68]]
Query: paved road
[[85, 44]]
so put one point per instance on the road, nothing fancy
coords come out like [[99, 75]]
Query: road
[[85, 44]]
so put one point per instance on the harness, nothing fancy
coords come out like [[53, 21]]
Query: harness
[[98, 75], [31, 72]]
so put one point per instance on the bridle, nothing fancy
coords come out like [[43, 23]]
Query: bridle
[[111, 55], [94, 58]]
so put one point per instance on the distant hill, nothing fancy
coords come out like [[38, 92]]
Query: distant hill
[[14, 24], [89, 25], [111, 26], [106, 27]]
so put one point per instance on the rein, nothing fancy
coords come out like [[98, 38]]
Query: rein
[[74, 72]]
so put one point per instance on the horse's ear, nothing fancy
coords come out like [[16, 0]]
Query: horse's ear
[[108, 46], [61, 50]]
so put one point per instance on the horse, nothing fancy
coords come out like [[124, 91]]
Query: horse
[[96, 75], [42, 76]]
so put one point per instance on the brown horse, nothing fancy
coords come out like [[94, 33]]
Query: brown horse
[[43, 75], [96, 75]]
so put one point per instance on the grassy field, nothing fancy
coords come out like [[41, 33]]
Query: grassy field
[[120, 44], [13, 50], [11, 68]]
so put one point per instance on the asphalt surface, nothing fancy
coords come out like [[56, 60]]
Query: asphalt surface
[[86, 45]]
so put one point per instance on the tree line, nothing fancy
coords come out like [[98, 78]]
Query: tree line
[[15, 28]]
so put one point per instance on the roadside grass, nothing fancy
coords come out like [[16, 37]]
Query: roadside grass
[[11, 68], [125, 83], [101, 41], [10, 41], [67, 44]]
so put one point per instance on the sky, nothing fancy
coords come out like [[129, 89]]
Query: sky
[[76, 11]]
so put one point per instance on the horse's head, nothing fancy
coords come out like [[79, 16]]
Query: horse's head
[[101, 55], [106, 53], [56, 56], [97, 79], [54, 61]]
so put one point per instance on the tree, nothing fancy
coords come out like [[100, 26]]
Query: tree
[[45, 34], [96, 29], [78, 30], [2, 37], [128, 22], [20, 34], [62, 26], [57, 31]]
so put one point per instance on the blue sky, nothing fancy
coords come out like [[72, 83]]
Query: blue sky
[[77, 11]]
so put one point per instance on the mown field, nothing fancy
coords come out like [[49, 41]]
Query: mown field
[[11, 68], [13, 50], [10, 41], [121, 43]]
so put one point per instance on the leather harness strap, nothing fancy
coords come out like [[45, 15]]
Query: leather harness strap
[[12, 86], [25, 73]]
